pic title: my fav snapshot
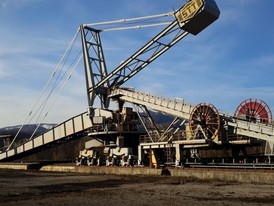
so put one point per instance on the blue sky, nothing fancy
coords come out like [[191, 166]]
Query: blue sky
[[230, 61]]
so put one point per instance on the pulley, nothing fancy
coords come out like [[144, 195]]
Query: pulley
[[254, 110], [204, 121]]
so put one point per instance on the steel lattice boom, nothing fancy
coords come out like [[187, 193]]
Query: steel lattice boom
[[199, 15]]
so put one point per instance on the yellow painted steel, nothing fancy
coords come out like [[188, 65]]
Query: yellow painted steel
[[189, 10], [153, 163], [188, 133]]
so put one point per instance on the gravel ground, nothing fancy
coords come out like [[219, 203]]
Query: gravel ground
[[51, 188]]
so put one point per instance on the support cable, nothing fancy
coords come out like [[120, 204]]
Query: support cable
[[131, 19], [58, 94], [67, 52], [79, 56], [136, 27]]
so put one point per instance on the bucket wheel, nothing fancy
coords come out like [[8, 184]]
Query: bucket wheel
[[204, 121], [254, 110]]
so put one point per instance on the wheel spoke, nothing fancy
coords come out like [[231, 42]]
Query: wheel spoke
[[254, 110], [209, 120]]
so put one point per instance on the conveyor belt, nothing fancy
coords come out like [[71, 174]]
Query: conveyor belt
[[171, 107], [66, 131], [255, 130], [183, 110]]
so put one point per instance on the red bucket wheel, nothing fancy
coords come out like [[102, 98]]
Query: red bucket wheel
[[254, 110], [205, 120]]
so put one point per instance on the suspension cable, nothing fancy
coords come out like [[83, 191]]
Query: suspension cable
[[68, 50], [131, 19], [54, 87], [57, 81], [59, 92], [137, 26]]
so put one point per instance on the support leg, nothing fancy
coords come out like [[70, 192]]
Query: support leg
[[140, 155], [178, 155]]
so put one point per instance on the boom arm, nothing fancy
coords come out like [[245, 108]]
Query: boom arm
[[193, 17], [148, 53]]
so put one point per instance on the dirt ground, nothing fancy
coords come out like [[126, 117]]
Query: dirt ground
[[51, 188]]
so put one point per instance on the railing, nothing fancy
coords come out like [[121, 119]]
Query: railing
[[171, 107], [256, 130], [167, 138], [58, 133]]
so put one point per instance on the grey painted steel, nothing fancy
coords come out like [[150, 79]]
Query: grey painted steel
[[255, 130], [60, 132], [171, 107], [99, 83], [95, 67], [152, 50], [183, 110]]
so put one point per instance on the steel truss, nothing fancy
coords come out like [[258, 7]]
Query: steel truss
[[98, 81]]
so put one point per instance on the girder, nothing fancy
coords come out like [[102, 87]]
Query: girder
[[255, 130], [144, 56], [97, 79], [147, 122], [95, 67], [171, 107]]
